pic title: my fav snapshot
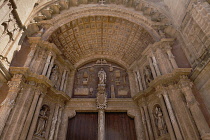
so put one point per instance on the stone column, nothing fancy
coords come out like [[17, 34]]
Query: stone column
[[38, 62], [182, 113], [162, 61], [44, 72], [50, 66], [143, 80], [151, 136], [203, 128], [63, 79], [67, 114], [171, 57], [136, 80], [155, 65], [165, 114], [132, 83], [152, 67], [172, 117], [139, 130], [139, 79], [71, 83], [30, 55], [15, 86], [144, 123], [101, 125], [35, 117], [58, 123], [54, 121], [30, 115], [138, 123], [66, 81], [20, 113]]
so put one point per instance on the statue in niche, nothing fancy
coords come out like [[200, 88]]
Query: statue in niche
[[42, 121], [54, 74], [102, 76], [160, 122], [148, 74]]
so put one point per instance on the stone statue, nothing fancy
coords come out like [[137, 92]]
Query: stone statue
[[102, 76], [42, 121], [159, 121], [54, 74], [148, 75]]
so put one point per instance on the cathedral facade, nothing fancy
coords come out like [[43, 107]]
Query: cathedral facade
[[104, 70]]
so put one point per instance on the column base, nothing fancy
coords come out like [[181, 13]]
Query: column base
[[206, 136]]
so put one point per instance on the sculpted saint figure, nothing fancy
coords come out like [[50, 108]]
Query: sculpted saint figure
[[54, 74], [42, 121], [102, 76], [160, 123], [148, 75]]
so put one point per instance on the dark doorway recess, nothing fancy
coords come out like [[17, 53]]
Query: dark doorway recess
[[84, 126], [119, 126]]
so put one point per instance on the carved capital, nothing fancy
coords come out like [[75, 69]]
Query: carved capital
[[185, 83], [17, 82], [173, 87], [42, 87]]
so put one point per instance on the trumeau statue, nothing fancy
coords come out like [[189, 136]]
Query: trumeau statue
[[160, 122], [42, 121], [102, 76]]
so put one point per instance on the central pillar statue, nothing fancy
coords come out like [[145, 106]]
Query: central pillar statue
[[101, 102]]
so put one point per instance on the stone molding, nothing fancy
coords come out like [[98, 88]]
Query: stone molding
[[163, 80], [101, 10], [41, 81]]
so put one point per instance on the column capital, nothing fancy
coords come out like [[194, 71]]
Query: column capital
[[185, 83], [161, 90], [173, 87], [42, 88], [16, 82]]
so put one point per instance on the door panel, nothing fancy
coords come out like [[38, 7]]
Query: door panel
[[119, 127], [84, 126]]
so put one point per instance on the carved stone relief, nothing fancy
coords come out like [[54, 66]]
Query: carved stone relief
[[101, 72]]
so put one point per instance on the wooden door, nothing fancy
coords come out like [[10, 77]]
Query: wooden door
[[84, 126], [119, 126]]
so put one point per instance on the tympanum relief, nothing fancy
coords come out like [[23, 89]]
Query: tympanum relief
[[101, 72]]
